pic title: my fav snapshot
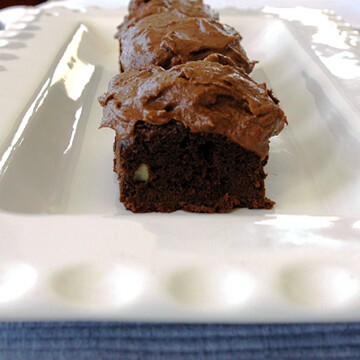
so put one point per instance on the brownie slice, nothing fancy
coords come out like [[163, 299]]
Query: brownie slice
[[167, 168], [194, 137]]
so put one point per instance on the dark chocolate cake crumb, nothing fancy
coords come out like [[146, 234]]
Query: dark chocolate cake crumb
[[187, 171]]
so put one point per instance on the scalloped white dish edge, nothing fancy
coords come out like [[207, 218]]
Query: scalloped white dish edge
[[70, 255]]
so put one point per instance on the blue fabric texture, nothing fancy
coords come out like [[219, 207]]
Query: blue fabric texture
[[135, 341]]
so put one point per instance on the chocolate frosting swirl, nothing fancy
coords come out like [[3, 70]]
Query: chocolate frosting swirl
[[210, 96], [167, 40], [182, 8]]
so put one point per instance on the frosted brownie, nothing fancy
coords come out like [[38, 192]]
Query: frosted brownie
[[194, 137], [167, 40]]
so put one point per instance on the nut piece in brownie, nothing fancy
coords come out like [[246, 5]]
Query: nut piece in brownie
[[194, 137], [166, 40]]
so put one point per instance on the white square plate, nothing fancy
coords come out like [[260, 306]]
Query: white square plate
[[69, 250]]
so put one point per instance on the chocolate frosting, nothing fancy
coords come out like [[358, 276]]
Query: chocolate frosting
[[182, 8], [209, 96], [167, 40]]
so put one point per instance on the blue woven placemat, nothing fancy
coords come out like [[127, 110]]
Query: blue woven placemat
[[121, 341]]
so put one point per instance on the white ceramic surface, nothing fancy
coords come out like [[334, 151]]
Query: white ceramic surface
[[69, 250]]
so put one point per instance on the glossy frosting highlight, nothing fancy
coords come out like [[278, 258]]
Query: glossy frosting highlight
[[210, 96]]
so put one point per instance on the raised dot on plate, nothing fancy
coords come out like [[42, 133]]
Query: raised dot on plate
[[33, 10], [15, 280], [319, 285], [18, 26], [211, 287], [99, 285], [28, 18], [9, 33]]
